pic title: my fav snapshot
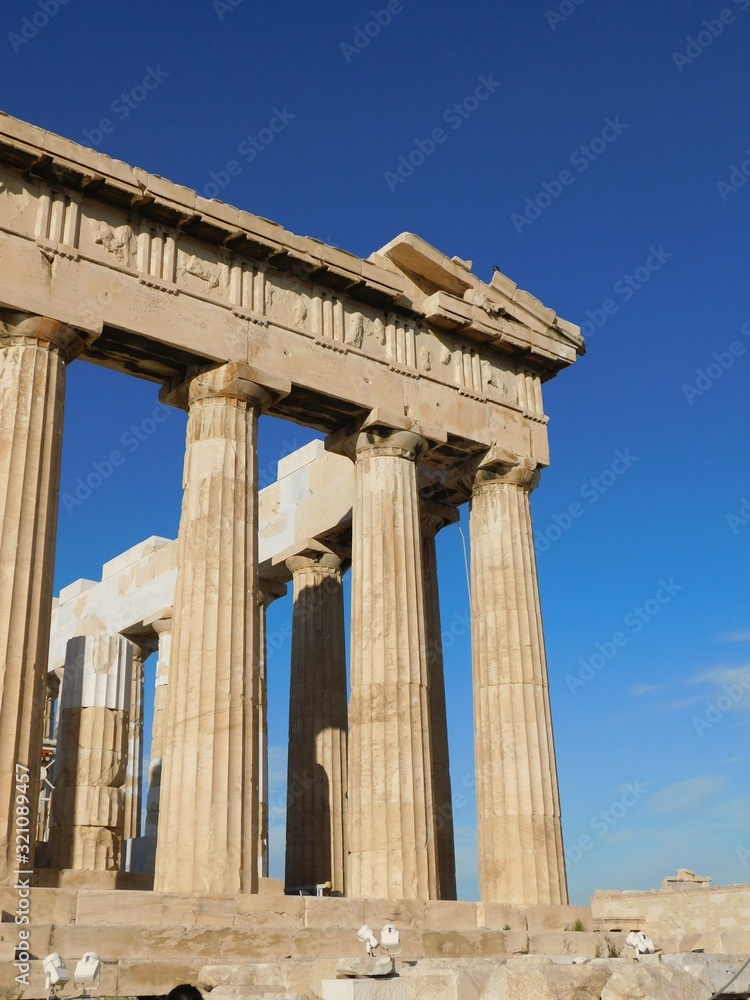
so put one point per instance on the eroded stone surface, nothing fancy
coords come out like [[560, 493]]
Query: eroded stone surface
[[547, 982], [646, 982]]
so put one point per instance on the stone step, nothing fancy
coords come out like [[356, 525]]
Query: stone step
[[82, 905], [112, 942]]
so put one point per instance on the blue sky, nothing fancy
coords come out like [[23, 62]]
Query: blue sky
[[604, 173]]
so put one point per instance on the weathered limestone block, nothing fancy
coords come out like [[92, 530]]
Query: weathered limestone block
[[652, 981], [92, 848], [209, 814], [377, 966], [499, 915], [86, 829], [557, 918], [258, 911], [317, 783], [449, 915], [33, 355], [436, 986], [131, 908], [586, 943], [333, 911], [548, 982], [94, 805], [138, 978], [391, 819], [518, 812], [715, 970]]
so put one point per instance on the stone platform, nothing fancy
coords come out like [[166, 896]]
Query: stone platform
[[149, 941], [271, 945]]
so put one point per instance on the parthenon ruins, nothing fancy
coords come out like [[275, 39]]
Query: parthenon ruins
[[427, 383]]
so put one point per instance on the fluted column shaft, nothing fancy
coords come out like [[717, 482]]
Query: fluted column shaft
[[441, 776], [134, 772], [163, 629], [33, 355], [86, 830], [207, 839], [316, 785], [518, 810], [391, 827]]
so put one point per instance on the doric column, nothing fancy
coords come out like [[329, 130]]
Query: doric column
[[88, 802], [207, 840], [163, 628], [433, 519], [518, 810], [33, 355], [134, 768], [268, 592], [391, 826], [316, 784]]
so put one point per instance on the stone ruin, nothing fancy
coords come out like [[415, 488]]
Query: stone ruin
[[427, 384]]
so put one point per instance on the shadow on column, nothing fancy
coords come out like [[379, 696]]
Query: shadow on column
[[316, 787]]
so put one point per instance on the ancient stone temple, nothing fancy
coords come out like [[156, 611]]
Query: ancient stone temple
[[426, 383]]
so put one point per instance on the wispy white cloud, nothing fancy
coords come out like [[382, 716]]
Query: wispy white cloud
[[685, 796], [680, 704], [743, 635], [734, 810], [643, 689], [726, 684]]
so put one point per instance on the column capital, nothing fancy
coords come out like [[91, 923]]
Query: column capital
[[269, 591], [309, 560], [311, 553], [385, 434], [435, 516], [141, 651], [505, 468], [233, 380], [20, 329], [163, 624]]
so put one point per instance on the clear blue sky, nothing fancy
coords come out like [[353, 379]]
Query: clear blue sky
[[632, 198]]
